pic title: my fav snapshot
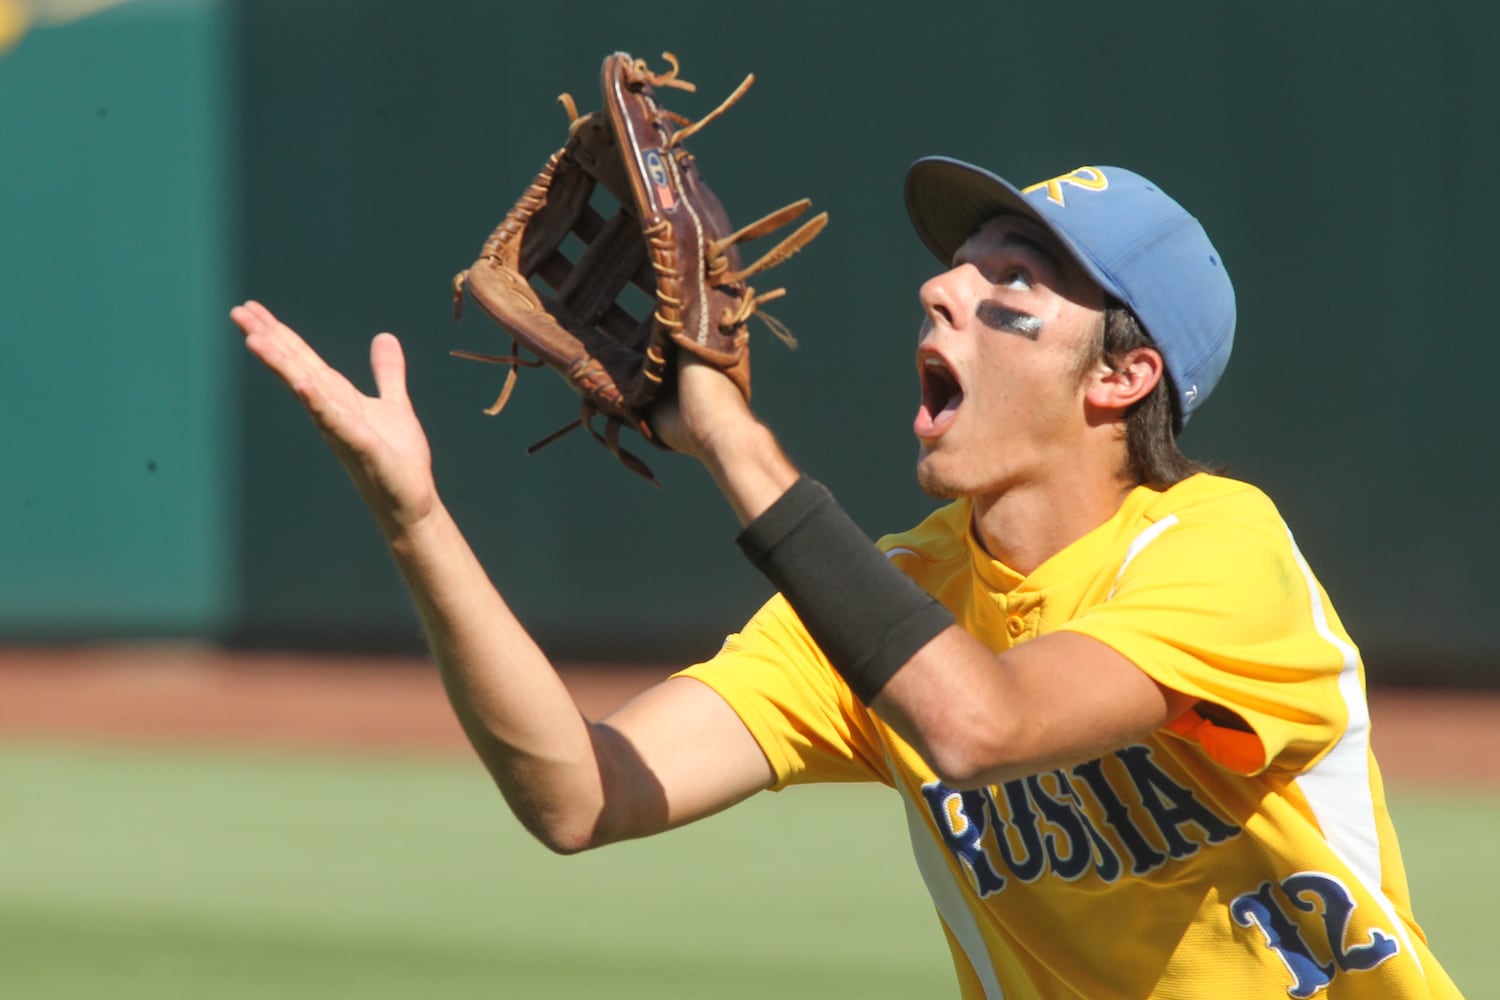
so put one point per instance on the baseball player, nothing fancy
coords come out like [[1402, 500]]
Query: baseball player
[[1127, 726]]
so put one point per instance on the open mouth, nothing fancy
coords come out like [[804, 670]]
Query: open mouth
[[941, 397]]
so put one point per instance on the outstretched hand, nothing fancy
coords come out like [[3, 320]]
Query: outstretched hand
[[378, 438]]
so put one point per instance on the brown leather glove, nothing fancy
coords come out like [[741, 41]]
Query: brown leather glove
[[630, 195]]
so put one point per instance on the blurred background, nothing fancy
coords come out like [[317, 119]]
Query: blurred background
[[164, 159]]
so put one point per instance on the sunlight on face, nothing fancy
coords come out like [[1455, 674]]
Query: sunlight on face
[[1004, 333]]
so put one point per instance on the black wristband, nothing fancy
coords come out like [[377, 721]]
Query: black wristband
[[867, 616]]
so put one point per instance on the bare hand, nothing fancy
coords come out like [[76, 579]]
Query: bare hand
[[378, 438]]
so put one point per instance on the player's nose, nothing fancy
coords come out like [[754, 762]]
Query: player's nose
[[942, 298]]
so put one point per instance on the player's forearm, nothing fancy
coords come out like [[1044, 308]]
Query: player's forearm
[[513, 706], [983, 719], [749, 467]]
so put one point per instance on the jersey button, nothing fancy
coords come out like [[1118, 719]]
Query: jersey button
[[1015, 625]]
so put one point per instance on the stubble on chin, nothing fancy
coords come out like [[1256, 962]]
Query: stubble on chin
[[934, 483]]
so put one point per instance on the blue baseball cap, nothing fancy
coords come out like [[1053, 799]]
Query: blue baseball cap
[[1138, 244]]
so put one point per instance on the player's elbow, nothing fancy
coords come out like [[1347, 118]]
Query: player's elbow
[[974, 752], [566, 846], [563, 824], [962, 767], [563, 836], [570, 827]]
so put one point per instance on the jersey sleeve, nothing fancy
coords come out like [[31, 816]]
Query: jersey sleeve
[[1225, 609], [808, 724]]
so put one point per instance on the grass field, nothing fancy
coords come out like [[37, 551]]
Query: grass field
[[130, 873]]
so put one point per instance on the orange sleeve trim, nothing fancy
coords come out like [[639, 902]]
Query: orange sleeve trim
[[1242, 753]]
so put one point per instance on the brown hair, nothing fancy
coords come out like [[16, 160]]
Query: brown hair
[[1152, 456]]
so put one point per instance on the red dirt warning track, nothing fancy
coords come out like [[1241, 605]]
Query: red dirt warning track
[[190, 694]]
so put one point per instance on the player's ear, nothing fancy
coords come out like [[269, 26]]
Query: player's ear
[[1126, 381]]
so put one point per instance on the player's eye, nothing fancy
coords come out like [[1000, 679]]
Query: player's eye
[[1013, 277]]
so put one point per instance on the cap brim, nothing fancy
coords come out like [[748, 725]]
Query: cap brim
[[948, 199]]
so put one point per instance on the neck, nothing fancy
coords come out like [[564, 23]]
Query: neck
[[1024, 526]]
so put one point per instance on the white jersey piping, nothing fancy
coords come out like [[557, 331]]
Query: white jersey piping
[[1337, 788]]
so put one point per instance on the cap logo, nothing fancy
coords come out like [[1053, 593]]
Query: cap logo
[[1088, 178]]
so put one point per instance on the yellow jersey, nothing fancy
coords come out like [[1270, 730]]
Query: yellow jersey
[[1244, 850]]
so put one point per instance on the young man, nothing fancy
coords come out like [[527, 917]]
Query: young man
[[1127, 725]]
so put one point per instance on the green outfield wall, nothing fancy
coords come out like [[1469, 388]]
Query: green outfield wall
[[341, 161], [118, 511]]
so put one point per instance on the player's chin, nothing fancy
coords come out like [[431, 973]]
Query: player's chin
[[933, 476]]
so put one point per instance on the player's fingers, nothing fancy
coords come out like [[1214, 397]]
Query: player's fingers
[[336, 406], [279, 346], [326, 394], [259, 311], [388, 362], [261, 340], [248, 320], [255, 320]]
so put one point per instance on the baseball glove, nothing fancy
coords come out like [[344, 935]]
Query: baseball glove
[[622, 204]]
